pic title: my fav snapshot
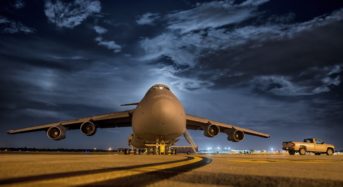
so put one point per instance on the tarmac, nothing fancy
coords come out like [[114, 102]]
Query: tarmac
[[94, 169]]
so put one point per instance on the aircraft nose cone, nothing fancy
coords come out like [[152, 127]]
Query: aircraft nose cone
[[167, 115], [164, 111]]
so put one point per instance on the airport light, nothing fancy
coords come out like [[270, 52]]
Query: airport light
[[110, 149]]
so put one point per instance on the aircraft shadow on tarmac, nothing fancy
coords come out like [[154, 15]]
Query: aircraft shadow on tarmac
[[140, 179]]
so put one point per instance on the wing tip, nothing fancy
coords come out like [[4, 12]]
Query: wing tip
[[10, 132], [265, 135], [130, 104]]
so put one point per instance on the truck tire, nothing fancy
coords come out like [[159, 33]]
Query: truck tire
[[329, 152], [291, 152], [302, 151]]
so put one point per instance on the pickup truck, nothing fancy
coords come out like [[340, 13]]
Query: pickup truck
[[308, 145]]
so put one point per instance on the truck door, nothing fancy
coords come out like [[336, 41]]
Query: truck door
[[320, 146], [310, 147], [309, 144]]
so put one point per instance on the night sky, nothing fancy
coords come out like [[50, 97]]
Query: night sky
[[272, 66]]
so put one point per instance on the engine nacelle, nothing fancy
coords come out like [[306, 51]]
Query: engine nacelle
[[57, 132], [235, 135], [88, 128], [211, 130]]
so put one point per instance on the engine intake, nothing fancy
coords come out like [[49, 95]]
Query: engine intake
[[88, 128], [56, 132], [235, 135], [211, 130]]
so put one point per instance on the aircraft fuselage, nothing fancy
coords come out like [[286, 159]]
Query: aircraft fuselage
[[160, 116]]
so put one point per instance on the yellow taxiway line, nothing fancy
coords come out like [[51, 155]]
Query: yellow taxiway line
[[99, 177]]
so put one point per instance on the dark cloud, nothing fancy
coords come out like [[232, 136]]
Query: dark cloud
[[212, 15], [301, 60], [70, 14], [11, 27], [99, 29], [112, 45], [19, 4], [147, 19], [318, 82], [186, 48]]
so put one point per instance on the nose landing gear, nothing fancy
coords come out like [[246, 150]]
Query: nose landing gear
[[160, 147]]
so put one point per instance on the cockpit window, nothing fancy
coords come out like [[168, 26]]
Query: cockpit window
[[161, 87]]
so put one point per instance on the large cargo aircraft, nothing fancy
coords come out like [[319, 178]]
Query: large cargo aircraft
[[157, 121]]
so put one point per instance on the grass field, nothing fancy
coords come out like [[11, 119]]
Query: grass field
[[180, 170]]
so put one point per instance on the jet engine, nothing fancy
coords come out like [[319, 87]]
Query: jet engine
[[56, 132], [211, 130], [88, 128], [235, 135]]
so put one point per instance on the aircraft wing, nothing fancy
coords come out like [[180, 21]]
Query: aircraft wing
[[198, 123], [115, 119]]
